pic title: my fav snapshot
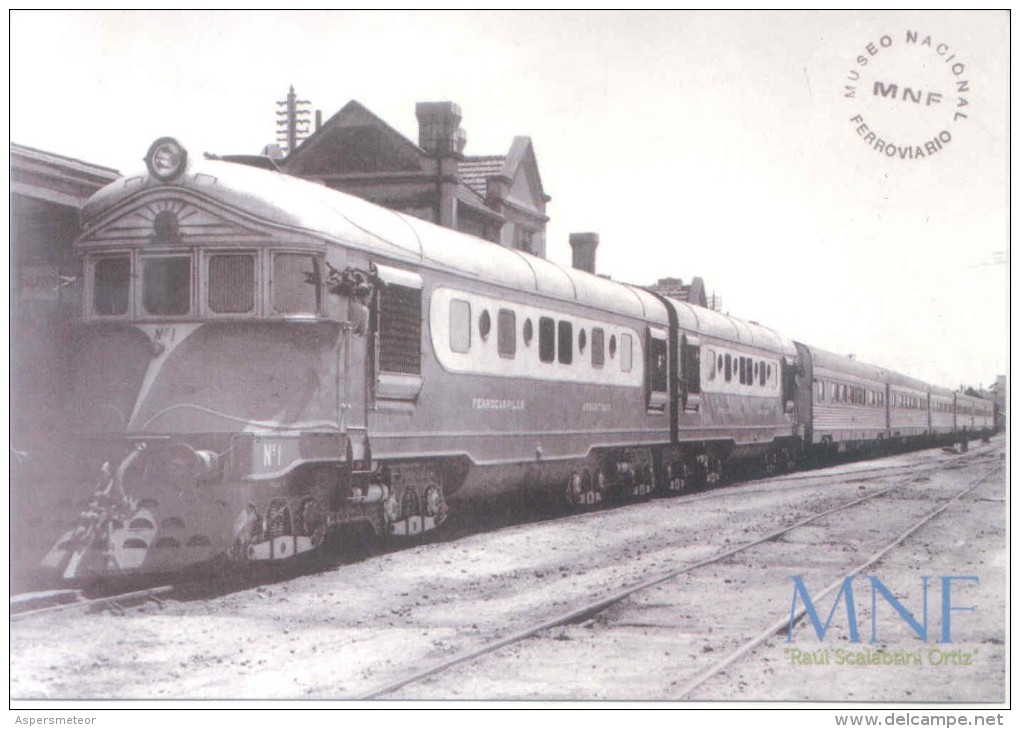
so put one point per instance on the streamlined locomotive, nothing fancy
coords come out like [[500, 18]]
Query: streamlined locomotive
[[266, 362]]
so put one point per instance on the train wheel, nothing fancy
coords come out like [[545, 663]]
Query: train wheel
[[574, 492]]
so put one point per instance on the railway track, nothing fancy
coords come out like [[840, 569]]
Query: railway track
[[29, 605], [600, 605], [115, 602], [757, 485], [781, 625]]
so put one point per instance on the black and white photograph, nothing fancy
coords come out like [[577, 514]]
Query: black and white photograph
[[518, 359]]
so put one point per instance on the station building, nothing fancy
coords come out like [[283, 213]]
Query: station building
[[496, 197], [47, 193]]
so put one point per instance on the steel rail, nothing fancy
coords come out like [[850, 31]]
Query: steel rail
[[602, 604], [115, 600], [779, 625]]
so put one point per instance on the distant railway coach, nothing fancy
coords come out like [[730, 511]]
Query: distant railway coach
[[266, 363]]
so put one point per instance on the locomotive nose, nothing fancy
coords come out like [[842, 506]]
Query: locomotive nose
[[139, 517]]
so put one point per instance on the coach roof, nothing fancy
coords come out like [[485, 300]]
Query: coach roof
[[284, 203]]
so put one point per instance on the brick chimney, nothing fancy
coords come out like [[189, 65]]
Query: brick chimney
[[584, 245], [439, 131]]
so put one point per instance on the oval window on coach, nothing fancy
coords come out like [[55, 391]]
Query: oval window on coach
[[166, 285], [111, 285], [230, 283], [296, 286]]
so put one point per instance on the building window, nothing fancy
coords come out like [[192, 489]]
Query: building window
[[546, 339], [460, 325], [231, 284], [525, 239], [506, 333], [566, 342], [111, 285], [296, 287], [166, 285]]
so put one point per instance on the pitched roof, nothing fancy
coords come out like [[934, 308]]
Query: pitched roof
[[334, 135]]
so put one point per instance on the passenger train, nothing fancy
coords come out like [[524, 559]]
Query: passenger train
[[265, 362]]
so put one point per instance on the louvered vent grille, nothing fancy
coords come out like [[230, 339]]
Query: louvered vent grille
[[400, 330]]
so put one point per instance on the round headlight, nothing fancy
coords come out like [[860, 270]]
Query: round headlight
[[166, 158]]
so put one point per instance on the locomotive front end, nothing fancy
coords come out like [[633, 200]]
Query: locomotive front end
[[211, 381]]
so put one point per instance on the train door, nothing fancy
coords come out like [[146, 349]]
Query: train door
[[788, 370], [657, 371], [804, 399], [690, 374], [888, 410], [354, 362]]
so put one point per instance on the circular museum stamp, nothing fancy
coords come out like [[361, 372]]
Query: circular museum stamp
[[908, 93]]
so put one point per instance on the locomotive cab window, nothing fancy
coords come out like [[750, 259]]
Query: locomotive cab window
[[166, 285], [626, 352], [111, 285], [296, 287], [230, 283]]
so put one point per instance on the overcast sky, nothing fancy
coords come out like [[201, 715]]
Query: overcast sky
[[713, 144]]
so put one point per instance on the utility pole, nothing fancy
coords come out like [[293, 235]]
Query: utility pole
[[292, 122]]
